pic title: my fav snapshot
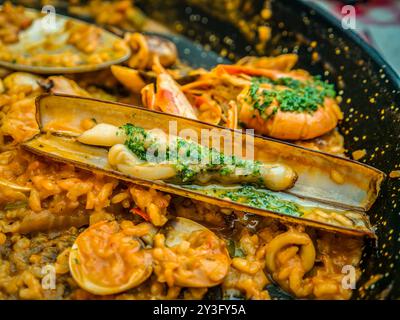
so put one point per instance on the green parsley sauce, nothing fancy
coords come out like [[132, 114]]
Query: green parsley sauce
[[256, 198], [262, 200]]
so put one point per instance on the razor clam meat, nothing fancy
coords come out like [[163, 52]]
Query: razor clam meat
[[154, 155]]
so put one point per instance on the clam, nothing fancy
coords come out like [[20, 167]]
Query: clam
[[330, 192], [55, 44], [109, 257], [190, 255], [179, 229]]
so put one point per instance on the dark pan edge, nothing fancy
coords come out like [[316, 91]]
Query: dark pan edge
[[371, 51]]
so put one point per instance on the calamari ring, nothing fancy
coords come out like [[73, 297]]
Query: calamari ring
[[289, 238]]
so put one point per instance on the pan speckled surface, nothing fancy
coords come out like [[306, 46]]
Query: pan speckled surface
[[369, 88]]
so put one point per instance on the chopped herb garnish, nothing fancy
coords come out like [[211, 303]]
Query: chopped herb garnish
[[298, 96], [262, 199], [136, 137]]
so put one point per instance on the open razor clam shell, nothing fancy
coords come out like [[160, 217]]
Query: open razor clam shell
[[60, 119], [39, 32]]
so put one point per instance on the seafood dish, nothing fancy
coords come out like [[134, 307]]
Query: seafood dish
[[151, 175]]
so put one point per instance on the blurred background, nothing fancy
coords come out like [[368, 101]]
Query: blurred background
[[378, 21]]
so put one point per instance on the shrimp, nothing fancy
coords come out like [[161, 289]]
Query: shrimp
[[221, 87], [285, 105], [167, 96], [288, 125]]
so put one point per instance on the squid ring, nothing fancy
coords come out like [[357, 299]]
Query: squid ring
[[307, 250]]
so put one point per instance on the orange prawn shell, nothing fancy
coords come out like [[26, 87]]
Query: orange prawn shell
[[292, 125]]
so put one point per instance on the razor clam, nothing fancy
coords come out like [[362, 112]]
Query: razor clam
[[331, 193]]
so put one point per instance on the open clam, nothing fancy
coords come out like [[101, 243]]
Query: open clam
[[190, 255], [54, 44], [109, 257], [330, 192]]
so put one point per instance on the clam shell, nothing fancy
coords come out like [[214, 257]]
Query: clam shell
[[37, 33], [137, 275], [179, 228], [325, 181]]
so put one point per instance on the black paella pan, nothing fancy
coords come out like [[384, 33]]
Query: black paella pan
[[369, 87]]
